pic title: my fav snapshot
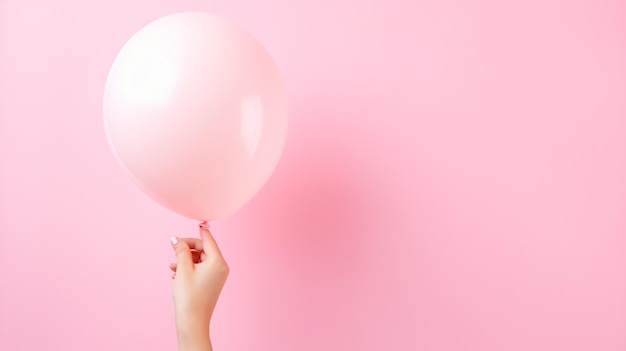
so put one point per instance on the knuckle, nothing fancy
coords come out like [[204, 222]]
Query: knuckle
[[220, 266], [181, 249]]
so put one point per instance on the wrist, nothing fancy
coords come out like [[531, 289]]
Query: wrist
[[193, 335]]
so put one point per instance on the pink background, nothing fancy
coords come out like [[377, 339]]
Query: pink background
[[454, 179]]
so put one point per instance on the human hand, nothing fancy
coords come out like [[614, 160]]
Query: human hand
[[199, 276]]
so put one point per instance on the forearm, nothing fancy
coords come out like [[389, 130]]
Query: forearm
[[193, 337]]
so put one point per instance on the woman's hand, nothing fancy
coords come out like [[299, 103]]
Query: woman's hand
[[199, 275]]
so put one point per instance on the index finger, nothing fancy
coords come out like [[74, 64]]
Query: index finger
[[193, 243], [208, 242]]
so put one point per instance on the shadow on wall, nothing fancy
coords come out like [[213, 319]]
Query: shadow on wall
[[319, 204], [330, 226]]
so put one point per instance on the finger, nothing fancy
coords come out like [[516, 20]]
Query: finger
[[193, 243], [197, 258], [184, 258], [208, 242]]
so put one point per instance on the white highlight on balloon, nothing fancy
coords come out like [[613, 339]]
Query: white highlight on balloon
[[251, 123], [149, 78]]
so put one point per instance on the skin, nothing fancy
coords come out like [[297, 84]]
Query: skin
[[200, 273]]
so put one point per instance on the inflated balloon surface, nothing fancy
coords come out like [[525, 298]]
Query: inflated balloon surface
[[196, 112]]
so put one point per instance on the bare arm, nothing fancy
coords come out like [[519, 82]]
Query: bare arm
[[199, 276]]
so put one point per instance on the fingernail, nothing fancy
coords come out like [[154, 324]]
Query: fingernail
[[174, 240], [205, 225]]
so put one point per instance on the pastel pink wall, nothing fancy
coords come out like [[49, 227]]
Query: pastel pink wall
[[454, 179]]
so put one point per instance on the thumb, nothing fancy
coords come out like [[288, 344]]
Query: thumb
[[184, 260]]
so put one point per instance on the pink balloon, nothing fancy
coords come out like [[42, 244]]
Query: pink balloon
[[195, 110]]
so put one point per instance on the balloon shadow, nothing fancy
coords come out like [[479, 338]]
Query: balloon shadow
[[319, 203]]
